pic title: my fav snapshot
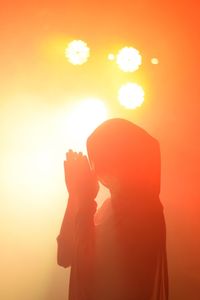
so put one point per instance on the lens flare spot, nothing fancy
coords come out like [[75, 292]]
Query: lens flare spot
[[129, 59], [131, 95], [77, 52], [155, 61], [111, 56]]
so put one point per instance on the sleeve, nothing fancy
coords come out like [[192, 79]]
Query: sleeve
[[65, 239], [75, 232]]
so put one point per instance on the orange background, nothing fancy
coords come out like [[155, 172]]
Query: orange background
[[37, 83]]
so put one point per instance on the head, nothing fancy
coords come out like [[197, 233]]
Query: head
[[124, 156]]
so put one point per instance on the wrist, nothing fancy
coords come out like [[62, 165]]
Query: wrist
[[85, 214]]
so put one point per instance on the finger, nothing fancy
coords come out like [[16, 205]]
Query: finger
[[69, 154], [66, 166], [80, 154], [75, 156], [72, 155], [70, 169]]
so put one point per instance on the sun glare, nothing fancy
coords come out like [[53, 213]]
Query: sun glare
[[131, 95], [82, 119], [129, 59], [77, 52]]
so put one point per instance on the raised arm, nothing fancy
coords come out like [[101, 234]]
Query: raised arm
[[65, 240], [78, 219]]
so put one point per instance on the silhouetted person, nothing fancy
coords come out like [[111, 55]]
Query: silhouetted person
[[117, 252]]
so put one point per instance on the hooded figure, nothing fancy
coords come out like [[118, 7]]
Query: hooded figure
[[118, 251]]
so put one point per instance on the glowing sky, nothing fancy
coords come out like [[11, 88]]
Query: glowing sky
[[37, 86]]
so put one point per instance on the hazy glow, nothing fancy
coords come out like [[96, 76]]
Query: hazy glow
[[155, 61], [31, 196], [111, 56], [77, 52], [82, 119], [129, 59], [131, 95]]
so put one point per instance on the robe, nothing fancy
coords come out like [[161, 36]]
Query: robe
[[116, 252]]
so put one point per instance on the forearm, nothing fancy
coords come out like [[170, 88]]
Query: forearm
[[65, 240], [76, 229], [82, 186]]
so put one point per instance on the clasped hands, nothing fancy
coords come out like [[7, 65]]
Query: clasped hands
[[81, 181]]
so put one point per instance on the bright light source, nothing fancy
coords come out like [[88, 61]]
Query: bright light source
[[83, 119], [131, 95], [155, 61], [77, 52], [111, 56], [129, 59]]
